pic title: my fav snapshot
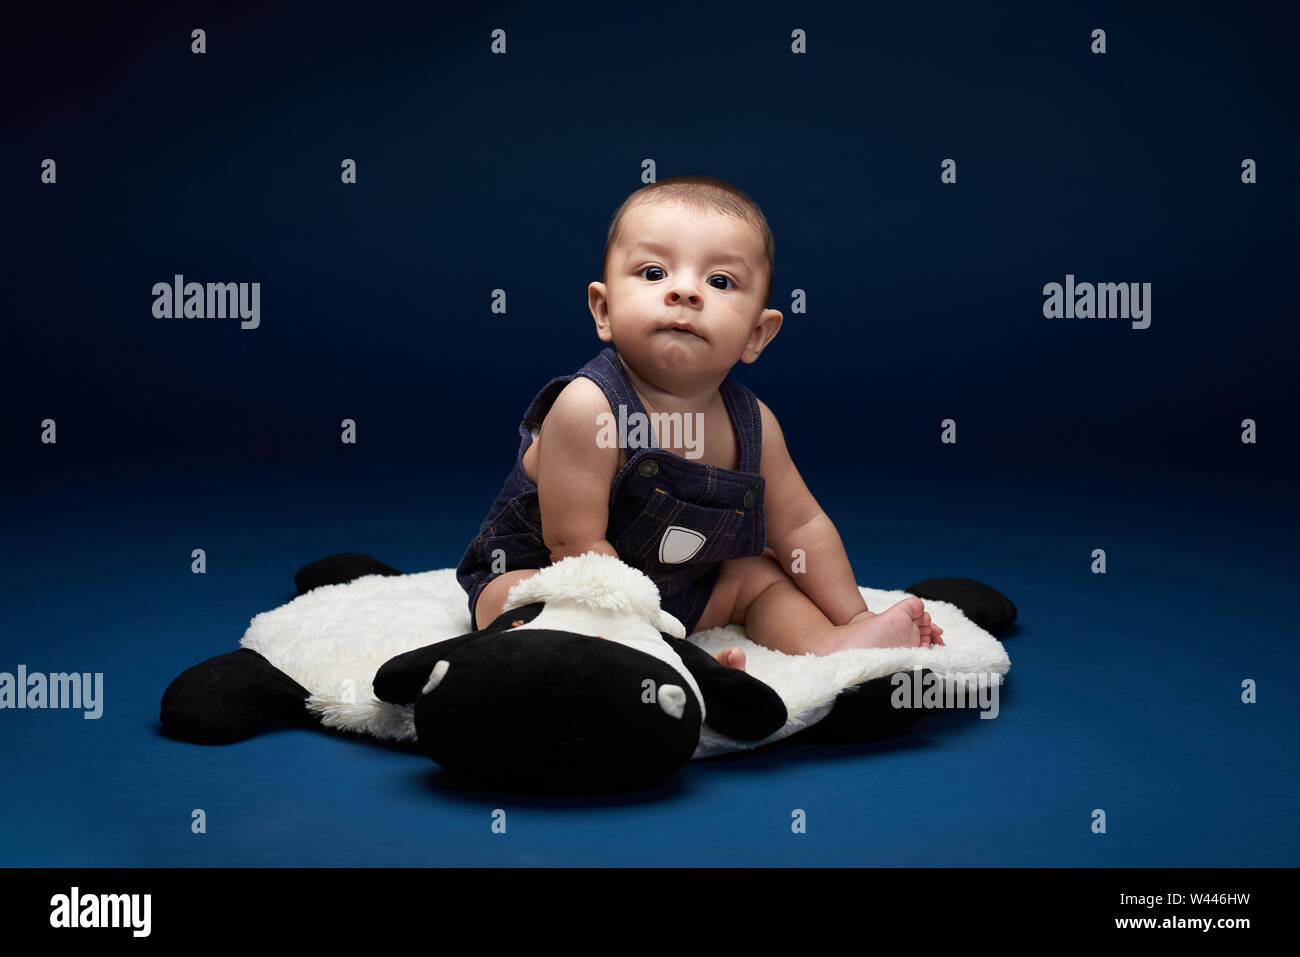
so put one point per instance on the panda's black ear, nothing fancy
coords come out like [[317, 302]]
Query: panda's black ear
[[401, 679], [736, 704]]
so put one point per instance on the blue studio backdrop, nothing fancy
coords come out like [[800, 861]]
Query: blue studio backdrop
[[928, 172]]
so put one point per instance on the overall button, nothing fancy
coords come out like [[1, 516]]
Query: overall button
[[750, 498], [648, 468]]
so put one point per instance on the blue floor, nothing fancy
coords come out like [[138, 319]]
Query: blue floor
[[1124, 692]]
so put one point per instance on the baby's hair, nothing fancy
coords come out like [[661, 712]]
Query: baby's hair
[[702, 194]]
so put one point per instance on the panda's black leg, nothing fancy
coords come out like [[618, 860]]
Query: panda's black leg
[[864, 712], [983, 604], [736, 704], [232, 697], [339, 569]]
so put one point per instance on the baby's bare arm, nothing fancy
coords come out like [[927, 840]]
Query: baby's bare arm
[[574, 474], [794, 520]]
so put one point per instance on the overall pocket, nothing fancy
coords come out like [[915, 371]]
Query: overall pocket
[[517, 550], [526, 512], [669, 534]]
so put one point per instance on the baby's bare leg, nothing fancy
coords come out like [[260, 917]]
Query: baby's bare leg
[[726, 598], [758, 593], [492, 599]]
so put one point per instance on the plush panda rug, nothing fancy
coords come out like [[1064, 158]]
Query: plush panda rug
[[333, 639]]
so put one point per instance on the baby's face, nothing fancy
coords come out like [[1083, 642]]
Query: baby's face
[[683, 294]]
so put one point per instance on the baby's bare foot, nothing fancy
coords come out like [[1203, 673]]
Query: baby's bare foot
[[732, 658], [904, 625]]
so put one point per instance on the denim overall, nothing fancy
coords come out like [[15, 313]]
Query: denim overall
[[671, 517]]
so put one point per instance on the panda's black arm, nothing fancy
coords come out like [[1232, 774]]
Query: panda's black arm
[[738, 704]]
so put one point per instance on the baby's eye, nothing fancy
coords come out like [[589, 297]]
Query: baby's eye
[[726, 279]]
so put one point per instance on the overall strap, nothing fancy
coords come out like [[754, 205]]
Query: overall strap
[[607, 372], [746, 416]]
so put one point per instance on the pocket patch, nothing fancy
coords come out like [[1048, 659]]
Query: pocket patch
[[679, 544]]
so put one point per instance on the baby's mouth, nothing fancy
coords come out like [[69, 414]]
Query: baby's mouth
[[681, 331]]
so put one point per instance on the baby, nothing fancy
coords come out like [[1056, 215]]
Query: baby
[[687, 270]]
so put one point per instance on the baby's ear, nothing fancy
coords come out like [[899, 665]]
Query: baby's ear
[[669, 624]]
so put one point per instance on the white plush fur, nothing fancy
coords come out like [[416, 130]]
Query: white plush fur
[[333, 639], [595, 594], [598, 581], [808, 684]]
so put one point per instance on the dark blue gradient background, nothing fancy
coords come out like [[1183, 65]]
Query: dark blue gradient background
[[478, 172]]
